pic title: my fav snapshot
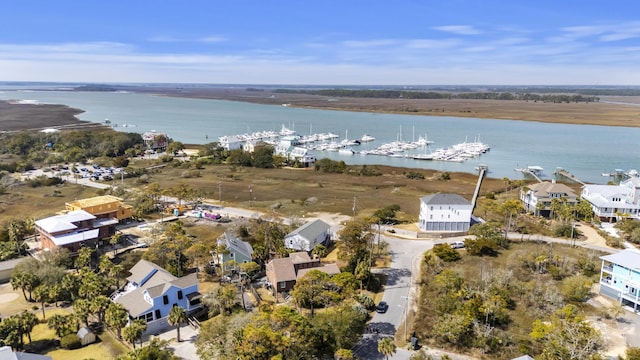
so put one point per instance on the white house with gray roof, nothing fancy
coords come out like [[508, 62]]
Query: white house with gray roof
[[151, 292], [609, 202], [444, 213], [308, 236]]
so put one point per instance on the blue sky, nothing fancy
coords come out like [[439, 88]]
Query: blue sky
[[329, 42]]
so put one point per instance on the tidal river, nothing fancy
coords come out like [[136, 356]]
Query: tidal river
[[587, 151]]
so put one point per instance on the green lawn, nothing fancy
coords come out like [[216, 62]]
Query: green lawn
[[107, 347]]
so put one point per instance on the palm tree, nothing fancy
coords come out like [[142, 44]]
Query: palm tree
[[177, 316], [116, 317], [386, 347], [41, 294], [27, 322], [61, 324], [134, 331]]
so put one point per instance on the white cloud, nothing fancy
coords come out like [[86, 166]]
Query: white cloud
[[458, 29]]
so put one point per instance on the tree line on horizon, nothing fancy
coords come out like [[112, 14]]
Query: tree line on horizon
[[480, 95]]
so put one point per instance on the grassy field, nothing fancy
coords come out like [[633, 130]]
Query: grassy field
[[298, 192]]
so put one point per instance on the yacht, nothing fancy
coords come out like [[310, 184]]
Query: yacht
[[367, 138]]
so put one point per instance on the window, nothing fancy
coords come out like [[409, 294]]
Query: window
[[158, 314], [165, 299], [146, 317], [232, 255], [179, 294], [283, 285]]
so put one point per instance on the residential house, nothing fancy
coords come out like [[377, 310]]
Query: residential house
[[83, 222], [308, 236], [151, 292], [230, 142], [7, 266], [289, 148], [237, 250], [7, 353], [283, 273], [71, 230], [106, 206], [537, 197], [610, 202], [444, 213], [620, 277], [155, 141]]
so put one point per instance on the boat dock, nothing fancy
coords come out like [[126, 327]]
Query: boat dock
[[533, 171], [567, 175], [482, 172]]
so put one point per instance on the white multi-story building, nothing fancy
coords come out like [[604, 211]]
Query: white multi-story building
[[444, 213], [610, 202]]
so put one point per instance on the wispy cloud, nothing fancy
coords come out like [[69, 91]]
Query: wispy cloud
[[368, 43], [458, 29], [172, 39]]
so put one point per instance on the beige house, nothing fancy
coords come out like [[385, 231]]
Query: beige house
[[537, 198]]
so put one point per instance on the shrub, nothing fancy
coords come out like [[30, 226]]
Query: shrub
[[71, 341], [446, 253], [366, 301], [414, 175], [444, 176]]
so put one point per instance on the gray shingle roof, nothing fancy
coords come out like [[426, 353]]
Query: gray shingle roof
[[543, 189], [311, 230], [445, 199], [236, 245]]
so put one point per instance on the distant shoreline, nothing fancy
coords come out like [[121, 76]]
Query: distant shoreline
[[605, 113], [611, 111]]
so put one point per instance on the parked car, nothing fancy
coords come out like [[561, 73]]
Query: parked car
[[382, 307], [457, 245]]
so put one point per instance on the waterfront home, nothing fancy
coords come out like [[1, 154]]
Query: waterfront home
[[537, 197], [611, 202], [230, 142], [620, 277], [283, 273], [308, 236], [236, 252], [151, 292], [7, 353], [444, 213], [155, 141]]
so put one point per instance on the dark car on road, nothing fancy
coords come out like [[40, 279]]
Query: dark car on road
[[382, 307]]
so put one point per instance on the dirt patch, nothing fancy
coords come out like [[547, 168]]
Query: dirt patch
[[5, 298]]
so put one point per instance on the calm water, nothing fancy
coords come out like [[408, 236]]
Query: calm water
[[585, 150]]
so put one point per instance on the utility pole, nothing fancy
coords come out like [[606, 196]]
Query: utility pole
[[250, 195], [354, 206]]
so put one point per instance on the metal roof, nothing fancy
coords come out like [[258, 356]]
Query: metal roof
[[444, 199], [73, 238], [627, 258], [64, 222]]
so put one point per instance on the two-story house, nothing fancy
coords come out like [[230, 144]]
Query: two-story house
[[609, 202], [109, 211], [151, 292], [537, 197], [71, 230], [620, 277], [236, 250], [283, 273], [444, 213], [308, 236]]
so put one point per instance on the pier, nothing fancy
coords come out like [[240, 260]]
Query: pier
[[534, 171], [482, 171], [567, 175]]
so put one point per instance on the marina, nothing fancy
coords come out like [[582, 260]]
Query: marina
[[584, 149]]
